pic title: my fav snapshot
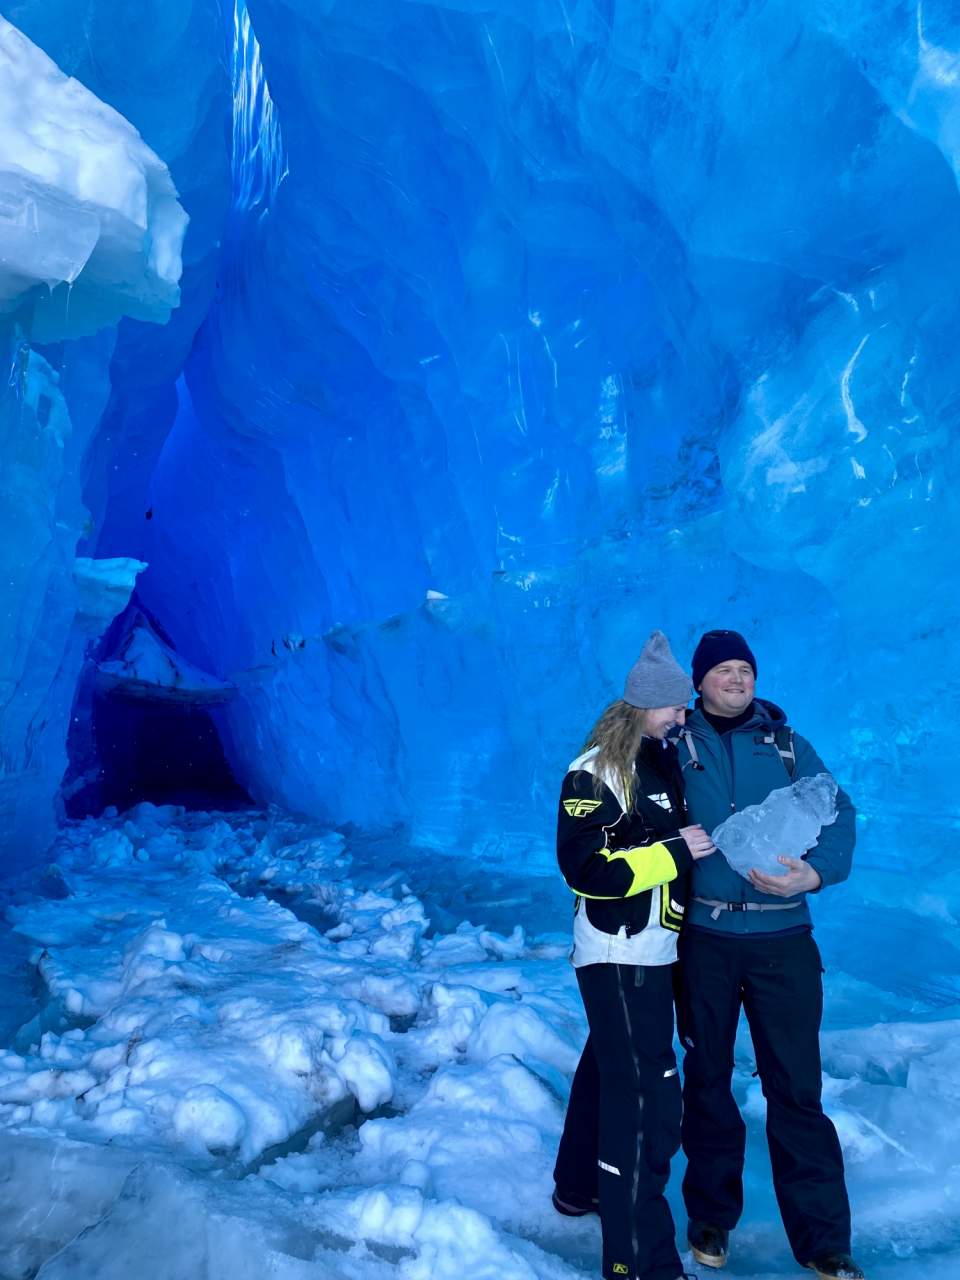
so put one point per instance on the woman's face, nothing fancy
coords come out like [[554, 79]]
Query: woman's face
[[659, 720]]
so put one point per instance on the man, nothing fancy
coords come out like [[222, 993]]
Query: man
[[749, 943]]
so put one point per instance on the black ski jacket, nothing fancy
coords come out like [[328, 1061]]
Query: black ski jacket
[[616, 852]]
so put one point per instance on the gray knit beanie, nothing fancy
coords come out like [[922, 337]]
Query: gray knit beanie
[[656, 678]]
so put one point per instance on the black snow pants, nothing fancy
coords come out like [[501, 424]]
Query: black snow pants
[[778, 982], [623, 1120]]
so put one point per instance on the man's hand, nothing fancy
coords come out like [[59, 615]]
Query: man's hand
[[698, 841], [799, 877]]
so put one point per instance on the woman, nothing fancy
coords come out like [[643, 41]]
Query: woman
[[624, 846]]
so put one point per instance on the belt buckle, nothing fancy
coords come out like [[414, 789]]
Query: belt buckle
[[737, 906]]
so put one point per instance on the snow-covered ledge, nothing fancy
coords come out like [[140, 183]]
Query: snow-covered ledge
[[104, 588], [90, 225]]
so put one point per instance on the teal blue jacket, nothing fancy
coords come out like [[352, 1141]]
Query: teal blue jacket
[[740, 769]]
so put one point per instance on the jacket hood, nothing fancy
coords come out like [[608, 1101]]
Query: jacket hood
[[766, 715]]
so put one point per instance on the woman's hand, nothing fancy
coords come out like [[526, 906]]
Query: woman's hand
[[698, 841]]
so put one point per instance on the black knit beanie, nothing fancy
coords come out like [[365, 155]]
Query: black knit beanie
[[716, 647]]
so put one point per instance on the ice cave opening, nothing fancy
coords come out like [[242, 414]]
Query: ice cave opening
[[143, 727]]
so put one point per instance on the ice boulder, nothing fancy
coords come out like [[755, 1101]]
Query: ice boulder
[[788, 822], [87, 210]]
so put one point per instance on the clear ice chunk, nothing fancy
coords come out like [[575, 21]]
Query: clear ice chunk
[[788, 822]]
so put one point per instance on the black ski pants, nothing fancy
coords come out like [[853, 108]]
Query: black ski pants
[[623, 1120], [778, 982]]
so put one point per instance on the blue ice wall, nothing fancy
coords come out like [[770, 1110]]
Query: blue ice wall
[[531, 326], [82, 419], [590, 318]]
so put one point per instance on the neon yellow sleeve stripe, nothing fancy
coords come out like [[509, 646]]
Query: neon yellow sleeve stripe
[[651, 865]]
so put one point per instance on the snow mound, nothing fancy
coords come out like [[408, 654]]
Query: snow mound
[[365, 1098]]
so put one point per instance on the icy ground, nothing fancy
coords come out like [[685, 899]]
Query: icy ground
[[239, 1047]]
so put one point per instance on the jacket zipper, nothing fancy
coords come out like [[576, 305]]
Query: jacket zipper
[[733, 777]]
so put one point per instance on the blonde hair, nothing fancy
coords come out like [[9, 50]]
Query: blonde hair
[[618, 733]]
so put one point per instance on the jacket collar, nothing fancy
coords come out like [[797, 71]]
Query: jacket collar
[[766, 715]]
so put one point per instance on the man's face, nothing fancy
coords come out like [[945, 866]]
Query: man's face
[[727, 688], [659, 720]]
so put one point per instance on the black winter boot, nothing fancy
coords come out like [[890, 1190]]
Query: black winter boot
[[709, 1243], [836, 1266]]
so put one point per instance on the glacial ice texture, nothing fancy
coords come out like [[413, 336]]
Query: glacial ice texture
[[788, 822], [517, 332]]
